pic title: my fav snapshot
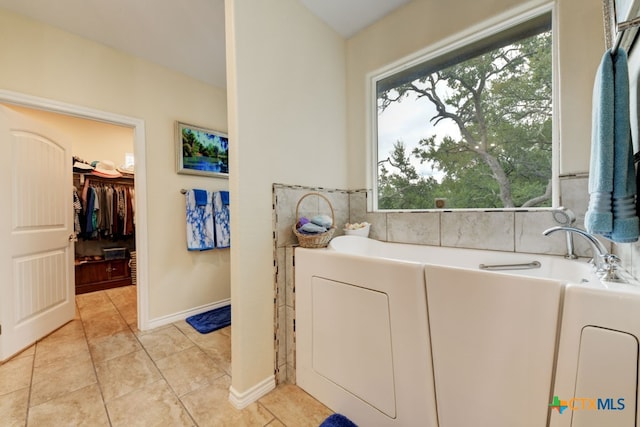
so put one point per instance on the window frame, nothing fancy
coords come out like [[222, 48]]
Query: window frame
[[459, 42]]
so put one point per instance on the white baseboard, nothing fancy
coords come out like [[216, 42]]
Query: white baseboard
[[242, 400], [175, 317]]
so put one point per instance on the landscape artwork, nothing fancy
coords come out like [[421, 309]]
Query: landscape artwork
[[202, 151]]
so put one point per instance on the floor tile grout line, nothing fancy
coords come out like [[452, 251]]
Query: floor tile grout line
[[143, 348], [93, 364], [33, 366], [173, 391]]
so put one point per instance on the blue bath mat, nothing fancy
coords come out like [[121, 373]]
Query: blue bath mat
[[211, 320], [337, 420]]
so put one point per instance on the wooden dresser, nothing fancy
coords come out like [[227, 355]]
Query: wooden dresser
[[103, 274]]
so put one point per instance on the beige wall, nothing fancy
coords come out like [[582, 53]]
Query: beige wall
[[286, 89], [422, 23], [42, 61]]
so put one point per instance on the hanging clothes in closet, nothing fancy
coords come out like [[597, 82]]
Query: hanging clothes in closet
[[107, 210]]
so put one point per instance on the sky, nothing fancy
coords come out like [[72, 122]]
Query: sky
[[409, 121]]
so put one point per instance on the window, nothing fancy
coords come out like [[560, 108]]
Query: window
[[469, 128]]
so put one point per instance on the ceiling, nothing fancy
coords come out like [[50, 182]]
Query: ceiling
[[185, 35]]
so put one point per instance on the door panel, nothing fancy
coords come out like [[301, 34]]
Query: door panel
[[37, 292]]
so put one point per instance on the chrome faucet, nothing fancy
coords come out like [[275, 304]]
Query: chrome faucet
[[606, 264]]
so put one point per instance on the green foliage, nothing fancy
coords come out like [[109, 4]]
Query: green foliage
[[403, 189], [501, 104]]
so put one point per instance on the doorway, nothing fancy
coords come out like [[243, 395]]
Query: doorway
[[136, 126]]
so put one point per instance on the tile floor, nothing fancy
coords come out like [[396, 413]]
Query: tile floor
[[100, 370]]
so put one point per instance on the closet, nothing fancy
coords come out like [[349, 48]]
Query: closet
[[105, 230]]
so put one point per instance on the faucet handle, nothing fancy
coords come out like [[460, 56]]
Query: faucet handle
[[612, 260], [610, 268]]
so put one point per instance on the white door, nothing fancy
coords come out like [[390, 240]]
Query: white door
[[37, 293]]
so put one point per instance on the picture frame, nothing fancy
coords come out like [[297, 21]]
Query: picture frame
[[201, 151]]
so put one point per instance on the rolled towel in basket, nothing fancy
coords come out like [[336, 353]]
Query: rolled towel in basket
[[311, 228], [322, 220]]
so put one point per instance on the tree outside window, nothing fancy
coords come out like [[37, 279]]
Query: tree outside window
[[472, 134]]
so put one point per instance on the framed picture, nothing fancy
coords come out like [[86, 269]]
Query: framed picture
[[202, 151]]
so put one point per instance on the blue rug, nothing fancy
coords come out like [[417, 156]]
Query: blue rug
[[337, 420], [211, 320]]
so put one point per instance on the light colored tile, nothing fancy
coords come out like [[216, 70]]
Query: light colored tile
[[625, 253], [27, 352], [103, 323], [293, 407], [281, 276], [165, 341], [189, 370], [69, 331], [574, 194], [478, 230], [358, 213], [13, 408], [281, 374], [340, 202], [153, 405], [186, 329], [291, 374], [290, 297], [357, 206], [378, 230], [529, 237], [125, 300], [15, 374], [281, 337], [217, 345], [83, 407], [113, 345], [422, 228], [200, 404], [633, 263], [225, 331], [125, 374], [54, 351], [290, 335], [92, 303], [61, 378], [285, 211]]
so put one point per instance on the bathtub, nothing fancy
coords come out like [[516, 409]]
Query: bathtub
[[404, 335]]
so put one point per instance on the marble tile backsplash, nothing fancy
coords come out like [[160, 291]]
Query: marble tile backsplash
[[512, 231]]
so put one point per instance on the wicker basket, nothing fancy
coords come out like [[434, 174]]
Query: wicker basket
[[320, 240]]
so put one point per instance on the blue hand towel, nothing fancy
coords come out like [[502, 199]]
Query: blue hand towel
[[612, 187], [224, 195], [599, 216], [200, 196]]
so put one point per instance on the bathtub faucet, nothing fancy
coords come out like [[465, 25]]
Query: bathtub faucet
[[606, 264]]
